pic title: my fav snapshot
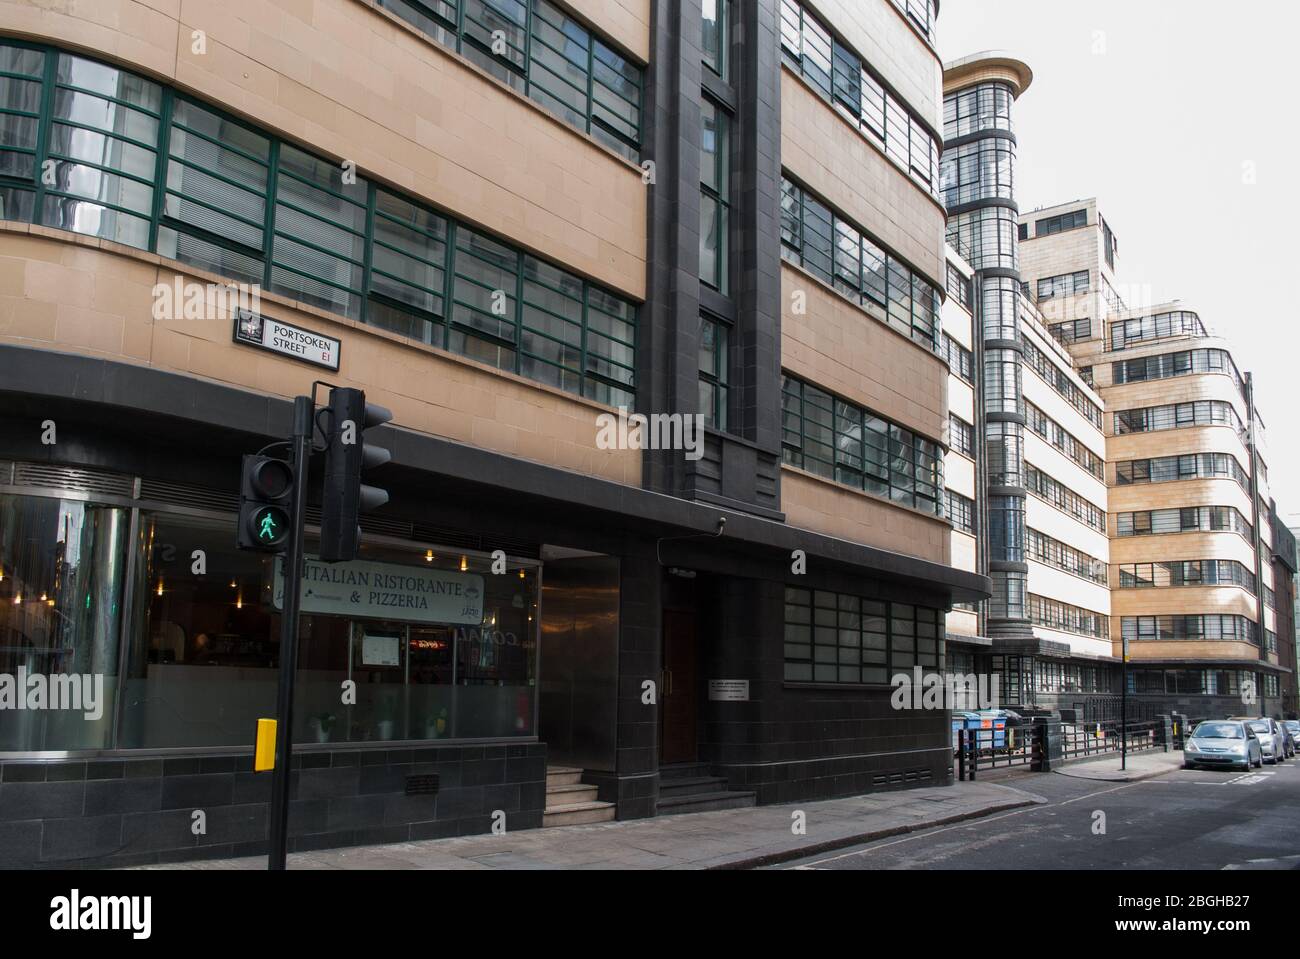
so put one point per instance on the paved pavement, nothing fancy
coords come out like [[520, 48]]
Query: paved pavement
[[1181, 819], [731, 838], [1144, 765]]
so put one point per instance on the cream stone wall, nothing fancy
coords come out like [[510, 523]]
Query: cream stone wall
[[59, 291], [1184, 439], [850, 173], [1171, 546], [837, 346], [352, 82], [1166, 649], [1192, 492], [817, 504]]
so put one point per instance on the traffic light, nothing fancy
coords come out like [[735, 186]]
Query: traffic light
[[347, 454], [265, 496]]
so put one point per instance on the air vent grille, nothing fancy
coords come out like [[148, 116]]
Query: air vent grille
[[93, 481], [425, 785]]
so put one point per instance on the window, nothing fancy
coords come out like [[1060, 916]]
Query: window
[[1066, 500], [715, 183], [1108, 244], [1053, 552], [1061, 223], [843, 442], [1067, 284], [961, 435], [958, 286], [839, 254], [714, 357], [1071, 331], [978, 170], [1178, 415], [1195, 627], [241, 203], [715, 35], [1166, 469], [1176, 364], [1183, 519], [842, 638], [1127, 333], [1055, 377], [1054, 433], [841, 77], [961, 510], [548, 54], [1054, 614], [975, 109], [1188, 572], [986, 237], [959, 359]]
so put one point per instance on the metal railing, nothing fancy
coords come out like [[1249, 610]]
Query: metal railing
[[978, 749], [1099, 738]]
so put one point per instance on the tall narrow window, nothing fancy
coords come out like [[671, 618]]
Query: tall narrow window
[[714, 181], [714, 38], [714, 341]]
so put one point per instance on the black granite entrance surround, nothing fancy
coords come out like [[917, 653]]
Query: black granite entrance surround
[[70, 814]]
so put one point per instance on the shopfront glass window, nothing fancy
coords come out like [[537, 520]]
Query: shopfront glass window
[[404, 643], [62, 570]]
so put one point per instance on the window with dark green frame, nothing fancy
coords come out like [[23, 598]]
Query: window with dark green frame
[[544, 52], [715, 336], [715, 35], [143, 165], [715, 184], [842, 638], [834, 250], [846, 443]]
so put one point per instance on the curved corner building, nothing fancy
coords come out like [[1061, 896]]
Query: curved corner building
[[978, 188]]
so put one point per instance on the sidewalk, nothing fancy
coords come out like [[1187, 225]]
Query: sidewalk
[[1144, 765], [731, 838]]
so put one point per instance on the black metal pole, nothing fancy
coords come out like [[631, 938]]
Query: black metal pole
[[1123, 712], [279, 811]]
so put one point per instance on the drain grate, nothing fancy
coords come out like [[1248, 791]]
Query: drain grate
[[422, 785]]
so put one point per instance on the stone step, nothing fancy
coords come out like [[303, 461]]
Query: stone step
[[689, 785], [683, 771], [705, 802], [569, 795], [562, 776], [578, 814]]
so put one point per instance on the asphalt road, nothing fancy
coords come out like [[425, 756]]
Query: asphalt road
[[1186, 819]]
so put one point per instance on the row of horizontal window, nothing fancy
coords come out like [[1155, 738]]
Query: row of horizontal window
[[959, 287], [1167, 469], [1063, 440], [1052, 552], [1182, 363], [538, 49], [231, 199], [1208, 626], [1018, 674], [1172, 416], [1183, 519], [1060, 223], [1055, 377], [959, 359], [978, 170], [1054, 614], [839, 253], [923, 13], [1066, 500], [1127, 333], [1197, 682], [1185, 572], [1071, 331], [841, 77], [1066, 284], [961, 511], [842, 638], [844, 442]]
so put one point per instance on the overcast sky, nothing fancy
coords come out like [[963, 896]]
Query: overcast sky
[[1166, 110]]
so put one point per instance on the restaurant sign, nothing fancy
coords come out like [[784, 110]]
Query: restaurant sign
[[364, 590]]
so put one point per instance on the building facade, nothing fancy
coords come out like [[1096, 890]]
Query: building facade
[[515, 224], [1192, 577]]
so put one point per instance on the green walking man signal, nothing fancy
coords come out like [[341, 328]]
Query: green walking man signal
[[266, 494]]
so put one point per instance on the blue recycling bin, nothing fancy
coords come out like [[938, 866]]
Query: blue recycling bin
[[993, 728], [963, 720]]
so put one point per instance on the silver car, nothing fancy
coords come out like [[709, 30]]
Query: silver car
[[1271, 741], [1227, 742]]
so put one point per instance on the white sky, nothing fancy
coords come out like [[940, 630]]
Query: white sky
[[1161, 109]]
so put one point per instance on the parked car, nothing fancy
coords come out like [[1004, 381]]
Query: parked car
[[1288, 740], [1226, 742], [1271, 741], [1293, 727]]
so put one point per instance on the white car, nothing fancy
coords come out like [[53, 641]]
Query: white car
[[1224, 742], [1271, 742]]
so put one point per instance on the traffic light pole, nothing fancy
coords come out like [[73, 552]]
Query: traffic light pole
[[303, 409]]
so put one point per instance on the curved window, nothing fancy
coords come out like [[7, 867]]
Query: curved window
[[1187, 572], [1008, 599], [979, 170], [1005, 453], [1178, 415], [1007, 528], [983, 107], [1167, 469], [1196, 627], [62, 579], [237, 201], [1002, 382], [986, 237], [1182, 520], [1183, 363], [1127, 333]]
